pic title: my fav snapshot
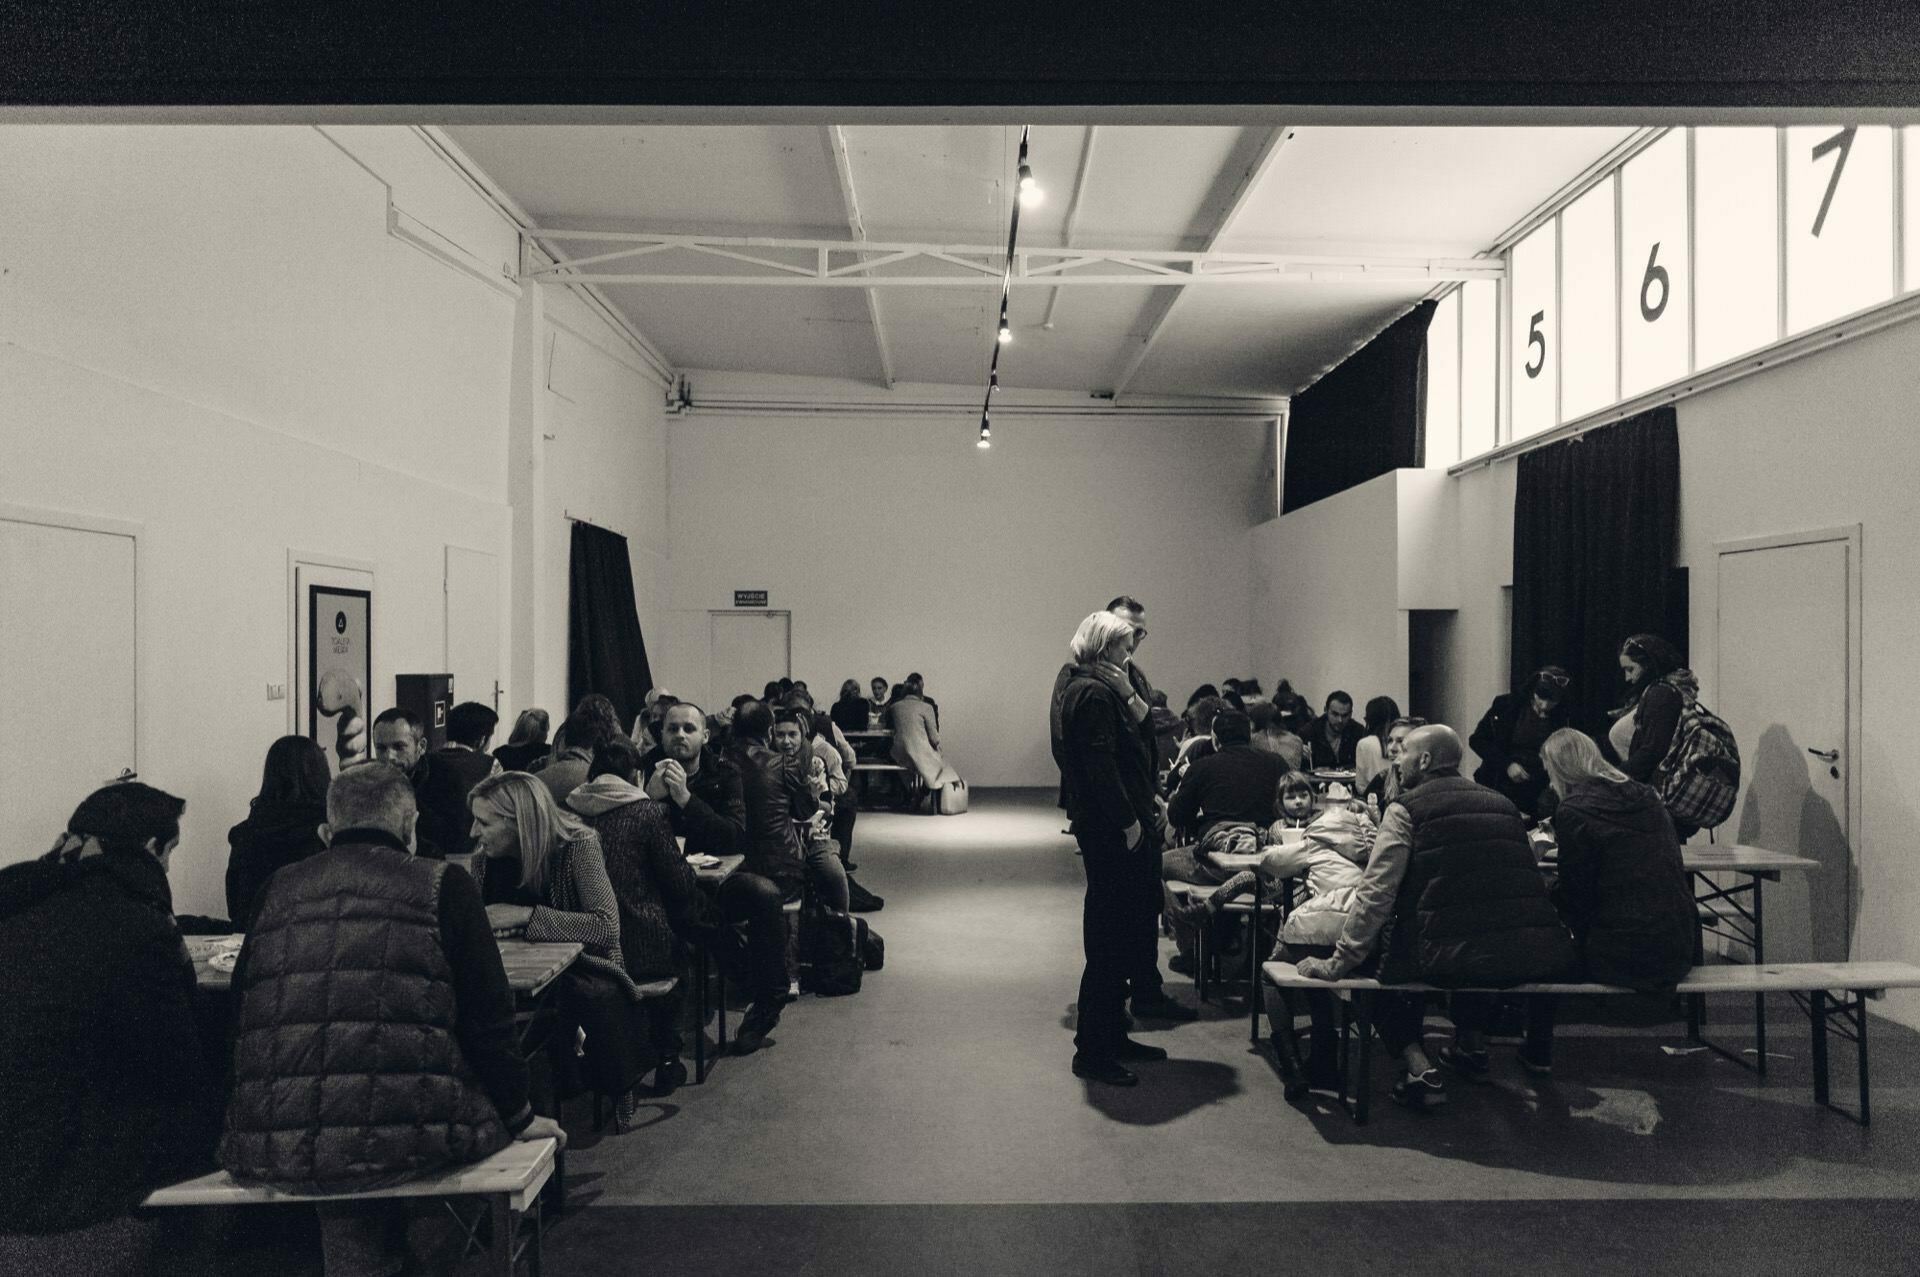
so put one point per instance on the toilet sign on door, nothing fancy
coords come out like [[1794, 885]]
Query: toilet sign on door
[[749, 598]]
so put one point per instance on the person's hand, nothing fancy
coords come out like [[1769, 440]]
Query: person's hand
[[1317, 968], [1161, 825], [1516, 773], [656, 785], [505, 917], [543, 1128], [674, 777], [1133, 834]]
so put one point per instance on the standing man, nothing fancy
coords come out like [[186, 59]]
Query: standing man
[[1106, 779]]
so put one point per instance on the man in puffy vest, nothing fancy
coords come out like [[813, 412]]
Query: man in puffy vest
[[1451, 895], [379, 974]]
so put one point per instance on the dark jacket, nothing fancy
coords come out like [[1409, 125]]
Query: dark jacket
[[851, 713], [521, 758], [660, 901], [1622, 888], [270, 838], [1655, 717], [776, 794], [373, 1025], [1338, 754], [445, 779], [1106, 764], [1510, 733], [1237, 783], [106, 1091], [714, 821], [1473, 908]]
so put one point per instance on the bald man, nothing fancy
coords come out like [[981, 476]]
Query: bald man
[[1451, 895]]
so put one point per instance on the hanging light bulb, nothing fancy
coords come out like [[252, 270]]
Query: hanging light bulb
[[986, 432], [1006, 331], [993, 382], [1030, 192]]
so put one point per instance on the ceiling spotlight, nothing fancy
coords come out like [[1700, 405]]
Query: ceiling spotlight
[[993, 382], [986, 434], [1006, 332], [1030, 193]]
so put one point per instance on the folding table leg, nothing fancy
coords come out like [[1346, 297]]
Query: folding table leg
[[500, 1254], [1817, 1007], [703, 972], [1759, 999], [1253, 967], [1363, 1084], [1860, 1034]]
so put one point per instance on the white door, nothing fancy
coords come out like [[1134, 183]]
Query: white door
[[746, 650], [67, 657], [473, 627], [1784, 684]]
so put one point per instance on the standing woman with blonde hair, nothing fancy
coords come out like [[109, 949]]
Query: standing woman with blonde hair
[[563, 868]]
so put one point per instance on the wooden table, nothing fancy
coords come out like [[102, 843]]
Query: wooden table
[[531, 968], [710, 877]]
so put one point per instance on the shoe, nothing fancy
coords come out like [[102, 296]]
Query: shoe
[[1539, 1068], [1475, 1066], [754, 1027], [1095, 1069], [1323, 1074], [1181, 964], [1424, 1091], [669, 1077], [849, 866], [1164, 1008], [1131, 1050], [1293, 1081]]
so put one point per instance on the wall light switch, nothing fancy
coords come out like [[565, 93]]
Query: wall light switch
[[276, 691]]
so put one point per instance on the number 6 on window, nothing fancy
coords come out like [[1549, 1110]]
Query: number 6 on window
[[1656, 274]]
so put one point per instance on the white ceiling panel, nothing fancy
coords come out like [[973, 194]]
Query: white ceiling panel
[[802, 331], [1258, 342]]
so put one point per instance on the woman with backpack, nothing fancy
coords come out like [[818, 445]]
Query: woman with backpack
[[1643, 724]]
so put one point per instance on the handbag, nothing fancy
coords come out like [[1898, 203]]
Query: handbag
[[953, 798]]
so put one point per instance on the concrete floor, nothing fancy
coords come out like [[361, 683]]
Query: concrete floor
[[930, 1125]]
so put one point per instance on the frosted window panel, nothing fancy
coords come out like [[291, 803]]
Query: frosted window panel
[[1839, 232], [1736, 229], [1533, 357], [1479, 317], [1443, 383], [1589, 351], [1653, 266], [1910, 241]]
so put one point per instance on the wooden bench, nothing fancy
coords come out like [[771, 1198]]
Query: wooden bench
[[909, 780], [509, 1183], [1203, 957], [1834, 991]]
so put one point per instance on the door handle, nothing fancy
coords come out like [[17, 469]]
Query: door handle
[[1825, 755]]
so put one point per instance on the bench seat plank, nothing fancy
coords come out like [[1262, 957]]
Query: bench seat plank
[[1771, 977], [520, 1170]]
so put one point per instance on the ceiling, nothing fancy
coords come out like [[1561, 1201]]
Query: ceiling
[[1368, 191]]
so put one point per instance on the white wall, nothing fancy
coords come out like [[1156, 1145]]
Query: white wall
[[899, 546], [212, 332]]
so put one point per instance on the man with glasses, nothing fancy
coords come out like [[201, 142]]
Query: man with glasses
[[1510, 735]]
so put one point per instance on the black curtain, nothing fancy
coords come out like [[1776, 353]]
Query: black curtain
[[1594, 525], [605, 652], [1366, 417]]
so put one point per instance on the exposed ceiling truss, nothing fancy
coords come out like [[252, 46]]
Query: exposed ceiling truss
[[819, 263]]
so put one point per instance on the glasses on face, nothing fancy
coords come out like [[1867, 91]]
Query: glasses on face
[[1555, 680]]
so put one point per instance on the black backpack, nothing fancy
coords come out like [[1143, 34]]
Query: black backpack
[[830, 962]]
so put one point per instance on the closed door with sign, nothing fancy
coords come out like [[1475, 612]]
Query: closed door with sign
[[1784, 684], [746, 649]]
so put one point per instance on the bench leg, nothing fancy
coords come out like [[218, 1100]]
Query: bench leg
[[1817, 1005], [554, 1195], [500, 1254], [1759, 999], [1363, 1083], [1346, 1024], [1201, 958], [1253, 968], [1860, 1034]]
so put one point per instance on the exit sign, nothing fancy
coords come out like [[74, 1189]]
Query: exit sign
[[749, 598]]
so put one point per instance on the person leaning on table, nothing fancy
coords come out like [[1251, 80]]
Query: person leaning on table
[[1451, 895], [108, 1093], [409, 1061]]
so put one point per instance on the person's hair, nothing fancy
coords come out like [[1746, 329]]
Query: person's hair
[[1201, 693], [1231, 695], [740, 700], [1158, 700], [752, 720], [788, 714], [540, 824], [1550, 683], [371, 798], [771, 692], [470, 722], [1381, 711], [618, 757], [1338, 696], [1251, 687], [1294, 782], [1232, 727], [850, 690], [1407, 721], [121, 817], [798, 698], [877, 679], [398, 714], [1262, 715], [599, 707], [586, 729], [1201, 713], [1229, 685], [1278, 740], [1571, 758], [1095, 634], [295, 773], [899, 693], [1653, 654], [530, 728], [800, 684], [683, 705], [1128, 602]]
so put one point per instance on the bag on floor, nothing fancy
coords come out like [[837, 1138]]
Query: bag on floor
[[873, 950], [860, 900], [830, 962], [953, 798]]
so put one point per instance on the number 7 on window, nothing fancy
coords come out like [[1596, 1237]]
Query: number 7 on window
[[1842, 142]]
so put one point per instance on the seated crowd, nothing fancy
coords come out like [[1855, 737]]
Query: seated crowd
[[1405, 869], [372, 904]]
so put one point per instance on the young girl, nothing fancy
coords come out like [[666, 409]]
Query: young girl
[[1294, 801]]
